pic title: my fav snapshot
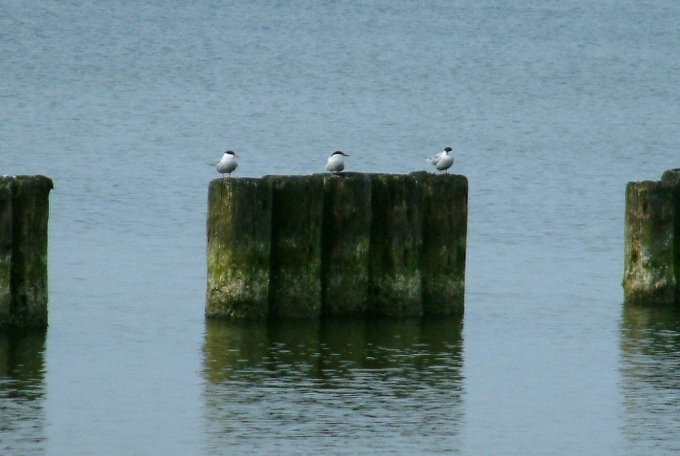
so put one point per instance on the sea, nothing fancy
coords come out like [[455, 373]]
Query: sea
[[551, 107]]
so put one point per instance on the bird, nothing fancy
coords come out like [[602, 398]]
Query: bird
[[336, 162], [443, 160], [227, 163]]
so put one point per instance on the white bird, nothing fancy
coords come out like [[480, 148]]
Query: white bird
[[443, 160], [227, 163], [336, 162]]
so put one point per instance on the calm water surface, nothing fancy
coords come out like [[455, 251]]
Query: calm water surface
[[551, 108]]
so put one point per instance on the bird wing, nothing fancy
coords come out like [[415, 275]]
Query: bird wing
[[434, 160]]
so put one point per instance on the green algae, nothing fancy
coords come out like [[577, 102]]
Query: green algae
[[238, 250]]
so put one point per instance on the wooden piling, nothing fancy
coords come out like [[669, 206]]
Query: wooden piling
[[671, 178], [395, 245], [5, 250], [24, 215], [295, 273], [343, 245], [652, 242], [442, 261], [239, 248], [346, 236]]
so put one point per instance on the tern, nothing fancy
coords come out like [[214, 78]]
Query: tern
[[443, 160], [336, 162], [227, 163]]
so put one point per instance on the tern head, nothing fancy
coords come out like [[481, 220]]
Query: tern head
[[232, 153], [339, 152], [447, 149]]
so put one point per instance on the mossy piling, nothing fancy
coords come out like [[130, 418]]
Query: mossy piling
[[346, 237], [239, 248], [295, 274], [652, 241], [395, 245], [24, 214], [442, 261], [346, 245]]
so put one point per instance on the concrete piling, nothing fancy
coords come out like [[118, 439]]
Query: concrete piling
[[343, 245], [24, 214], [652, 241]]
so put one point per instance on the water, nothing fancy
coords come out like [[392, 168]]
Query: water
[[351, 386], [551, 108]]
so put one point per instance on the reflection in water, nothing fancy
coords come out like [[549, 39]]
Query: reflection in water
[[22, 369], [310, 386], [650, 371]]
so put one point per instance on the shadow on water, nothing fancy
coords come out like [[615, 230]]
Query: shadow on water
[[22, 385], [280, 386], [650, 373]]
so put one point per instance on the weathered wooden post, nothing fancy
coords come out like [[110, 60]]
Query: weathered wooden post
[[287, 247], [442, 261], [239, 248], [5, 250], [24, 214], [652, 241], [295, 272], [346, 236], [671, 178], [395, 246]]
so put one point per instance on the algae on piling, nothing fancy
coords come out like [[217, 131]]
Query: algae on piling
[[295, 273], [239, 244], [345, 245], [652, 241], [24, 216]]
